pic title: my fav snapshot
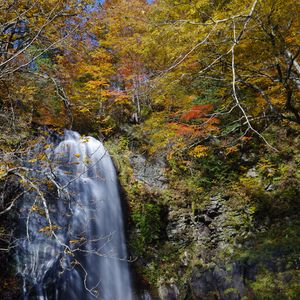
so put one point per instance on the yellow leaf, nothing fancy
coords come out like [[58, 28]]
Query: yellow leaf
[[199, 151], [49, 228], [84, 110], [231, 149]]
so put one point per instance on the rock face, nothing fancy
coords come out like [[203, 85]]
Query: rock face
[[149, 172], [217, 283], [209, 231], [221, 246], [168, 292], [200, 226]]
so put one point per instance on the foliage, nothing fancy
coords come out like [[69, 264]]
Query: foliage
[[275, 255], [148, 221], [212, 87]]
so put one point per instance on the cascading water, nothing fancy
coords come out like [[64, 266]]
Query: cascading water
[[73, 247]]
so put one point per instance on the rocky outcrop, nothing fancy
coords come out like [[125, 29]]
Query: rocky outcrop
[[202, 233], [224, 244], [210, 231], [168, 292], [217, 283], [149, 172]]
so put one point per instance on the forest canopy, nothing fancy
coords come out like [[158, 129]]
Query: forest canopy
[[189, 70]]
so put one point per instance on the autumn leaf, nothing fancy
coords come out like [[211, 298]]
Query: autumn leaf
[[199, 151]]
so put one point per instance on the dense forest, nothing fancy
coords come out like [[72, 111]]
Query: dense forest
[[198, 104]]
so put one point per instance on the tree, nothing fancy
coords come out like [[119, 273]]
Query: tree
[[242, 59], [31, 34]]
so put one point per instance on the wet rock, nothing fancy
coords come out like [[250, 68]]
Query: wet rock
[[203, 219], [217, 283], [168, 292]]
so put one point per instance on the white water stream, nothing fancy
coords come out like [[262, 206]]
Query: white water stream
[[86, 257]]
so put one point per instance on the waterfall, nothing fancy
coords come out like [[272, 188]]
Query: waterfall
[[74, 248]]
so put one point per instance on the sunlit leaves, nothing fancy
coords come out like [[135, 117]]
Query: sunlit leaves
[[199, 151], [49, 229], [197, 111]]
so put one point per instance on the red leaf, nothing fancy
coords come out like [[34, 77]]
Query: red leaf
[[197, 111]]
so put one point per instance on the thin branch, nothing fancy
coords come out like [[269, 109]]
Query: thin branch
[[235, 92]]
